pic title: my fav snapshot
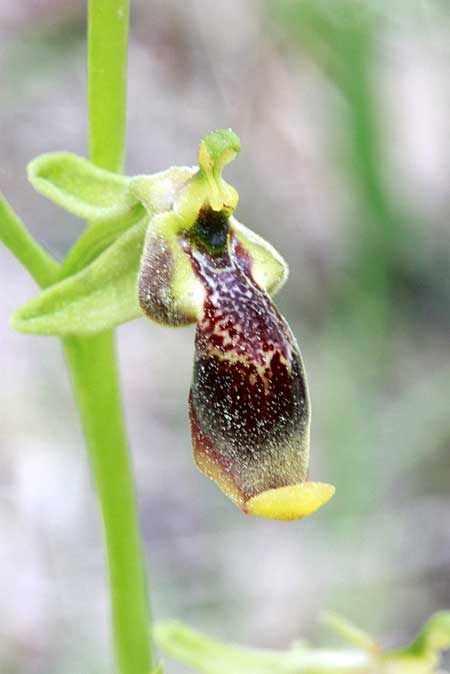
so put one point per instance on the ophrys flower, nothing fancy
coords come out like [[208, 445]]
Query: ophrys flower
[[168, 246]]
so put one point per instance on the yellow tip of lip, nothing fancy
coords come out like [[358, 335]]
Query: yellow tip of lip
[[290, 503]]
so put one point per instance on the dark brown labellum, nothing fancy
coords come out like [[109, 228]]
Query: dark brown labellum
[[249, 403]]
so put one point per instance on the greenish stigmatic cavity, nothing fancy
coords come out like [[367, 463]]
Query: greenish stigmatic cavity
[[211, 230]]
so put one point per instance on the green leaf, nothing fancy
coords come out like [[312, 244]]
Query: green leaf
[[210, 656], [81, 188], [99, 297]]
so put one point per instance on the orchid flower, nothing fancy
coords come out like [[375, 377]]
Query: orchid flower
[[168, 246]]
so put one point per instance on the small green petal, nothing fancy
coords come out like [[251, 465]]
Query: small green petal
[[99, 297], [80, 187], [96, 238], [157, 192], [269, 269]]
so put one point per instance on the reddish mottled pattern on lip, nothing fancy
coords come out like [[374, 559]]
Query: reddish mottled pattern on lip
[[249, 404]]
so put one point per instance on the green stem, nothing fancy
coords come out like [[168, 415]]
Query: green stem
[[15, 236], [92, 362], [107, 81]]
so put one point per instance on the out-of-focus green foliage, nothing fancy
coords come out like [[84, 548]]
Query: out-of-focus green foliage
[[209, 656]]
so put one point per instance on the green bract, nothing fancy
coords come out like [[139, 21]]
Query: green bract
[[80, 187], [98, 286]]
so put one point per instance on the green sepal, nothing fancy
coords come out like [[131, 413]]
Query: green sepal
[[152, 194], [80, 187], [99, 297], [269, 269], [96, 239], [158, 191]]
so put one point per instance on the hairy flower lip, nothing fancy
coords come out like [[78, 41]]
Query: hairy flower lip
[[288, 503], [249, 401]]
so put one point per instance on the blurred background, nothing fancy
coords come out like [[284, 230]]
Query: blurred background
[[343, 112]]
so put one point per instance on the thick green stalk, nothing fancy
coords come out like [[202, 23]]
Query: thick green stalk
[[107, 81], [92, 362]]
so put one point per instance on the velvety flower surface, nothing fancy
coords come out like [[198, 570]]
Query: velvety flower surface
[[249, 402]]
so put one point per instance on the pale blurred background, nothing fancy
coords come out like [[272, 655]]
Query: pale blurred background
[[344, 121]]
